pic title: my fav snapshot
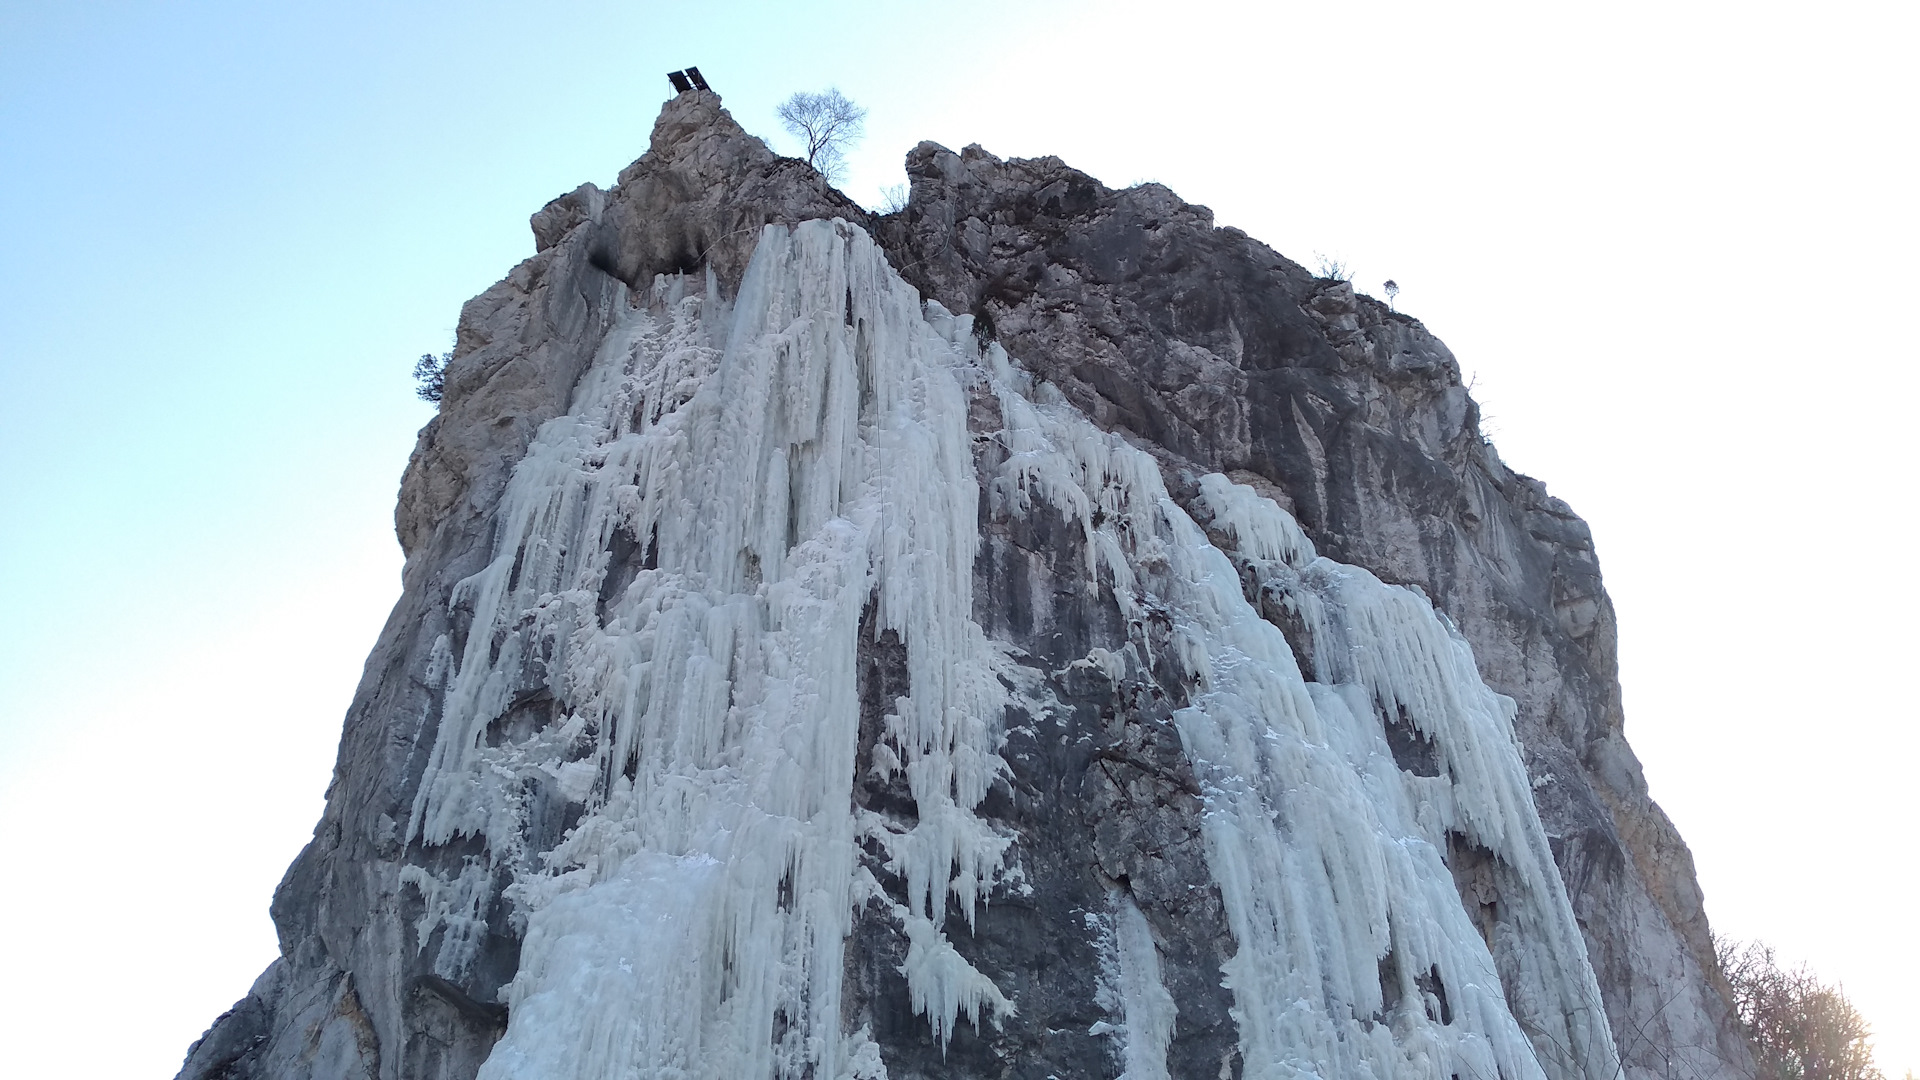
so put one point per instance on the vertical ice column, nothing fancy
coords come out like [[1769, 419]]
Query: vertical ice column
[[1131, 989]]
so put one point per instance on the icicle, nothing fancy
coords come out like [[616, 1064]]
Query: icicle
[[781, 465], [1130, 989]]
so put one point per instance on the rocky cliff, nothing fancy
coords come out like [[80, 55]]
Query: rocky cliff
[[1035, 633]]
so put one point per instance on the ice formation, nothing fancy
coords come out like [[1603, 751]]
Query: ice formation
[[1132, 992], [798, 459]]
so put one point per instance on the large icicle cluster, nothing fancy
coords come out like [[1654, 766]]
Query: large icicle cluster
[[770, 472], [683, 563]]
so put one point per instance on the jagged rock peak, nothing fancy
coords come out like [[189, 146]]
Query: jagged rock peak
[[698, 197], [1034, 633]]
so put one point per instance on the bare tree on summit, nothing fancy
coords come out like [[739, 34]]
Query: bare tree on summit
[[829, 123]]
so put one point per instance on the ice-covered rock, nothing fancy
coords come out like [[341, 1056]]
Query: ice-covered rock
[[1033, 634]]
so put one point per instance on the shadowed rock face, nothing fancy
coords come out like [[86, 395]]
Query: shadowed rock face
[[1197, 344]]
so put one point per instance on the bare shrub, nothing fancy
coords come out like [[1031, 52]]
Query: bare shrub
[[1800, 1028]]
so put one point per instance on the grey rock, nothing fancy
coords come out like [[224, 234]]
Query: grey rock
[[1197, 344]]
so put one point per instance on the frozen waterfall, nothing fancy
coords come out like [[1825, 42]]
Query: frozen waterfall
[[777, 468]]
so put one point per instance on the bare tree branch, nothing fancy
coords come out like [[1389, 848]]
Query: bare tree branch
[[829, 123], [1800, 1028]]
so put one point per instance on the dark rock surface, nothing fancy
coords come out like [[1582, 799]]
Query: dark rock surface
[[1198, 344], [1103, 801]]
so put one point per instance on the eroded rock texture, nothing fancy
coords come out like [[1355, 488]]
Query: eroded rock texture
[[1197, 344]]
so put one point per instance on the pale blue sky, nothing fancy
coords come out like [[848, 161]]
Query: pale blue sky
[[1672, 243]]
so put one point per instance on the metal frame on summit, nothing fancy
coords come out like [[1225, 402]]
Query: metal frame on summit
[[689, 79]]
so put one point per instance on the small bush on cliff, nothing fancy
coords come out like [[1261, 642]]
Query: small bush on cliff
[[430, 372], [1799, 1027]]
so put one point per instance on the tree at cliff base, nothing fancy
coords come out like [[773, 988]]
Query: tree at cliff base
[[1800, 1028]]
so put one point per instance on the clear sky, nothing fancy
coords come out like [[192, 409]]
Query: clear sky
[[1673, 245]]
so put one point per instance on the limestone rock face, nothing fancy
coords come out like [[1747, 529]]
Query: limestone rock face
[[406, 948]]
